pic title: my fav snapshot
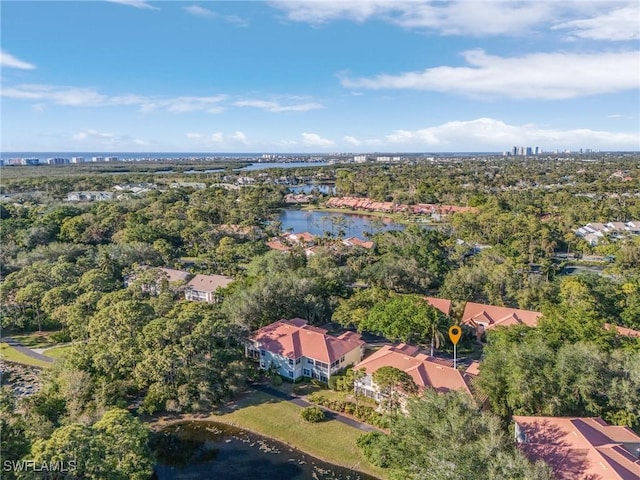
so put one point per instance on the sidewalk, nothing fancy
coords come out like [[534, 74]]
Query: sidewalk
[[301, 402], [26, 351]]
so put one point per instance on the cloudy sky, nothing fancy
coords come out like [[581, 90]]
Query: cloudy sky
[[330, 76]]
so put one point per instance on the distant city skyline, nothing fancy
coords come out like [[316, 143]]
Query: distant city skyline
[[318, 77]]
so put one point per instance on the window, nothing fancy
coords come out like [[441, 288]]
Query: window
[[306, 372], [298, 361], [323, 378], [290, 374], [291, 361], [342, 359], [309, 361], [262, 353]]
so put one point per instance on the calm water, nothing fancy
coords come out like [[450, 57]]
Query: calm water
[[203, 450], [353, 225]]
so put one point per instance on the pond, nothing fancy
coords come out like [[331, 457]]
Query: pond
[[352, 224], [203, 450]]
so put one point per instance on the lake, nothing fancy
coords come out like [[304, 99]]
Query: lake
[[352, 224], [204, 450]]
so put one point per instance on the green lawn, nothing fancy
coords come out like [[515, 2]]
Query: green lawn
[[331, 441], [35, 339], [10, 354], [57, 352]]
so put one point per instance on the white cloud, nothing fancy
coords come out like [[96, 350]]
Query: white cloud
[[107, 140], [89, 97], [315, 140], [619, 24], [200, 11], [550, 76], [218, 139], [141, 4], [462, 17], [9, 61], [489, 134], [352, 140], [276, 107]]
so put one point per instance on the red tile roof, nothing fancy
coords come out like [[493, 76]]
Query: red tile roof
[[209, 283], [427, 372], [581, 448], [441, 304], [491, 316], [627, 332], [295, 338], [356, 242]]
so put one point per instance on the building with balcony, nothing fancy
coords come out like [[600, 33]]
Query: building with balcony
[[295, 350]]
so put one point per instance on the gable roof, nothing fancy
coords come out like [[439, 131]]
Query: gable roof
[[442, 304], [356, 242], [175, 275], [295, 338], [427, 372], [209, 283], [580, 448], [491, 316]]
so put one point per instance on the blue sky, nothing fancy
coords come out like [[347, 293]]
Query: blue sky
[[331, 76]]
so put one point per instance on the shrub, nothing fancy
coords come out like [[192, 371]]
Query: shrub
[[312, 414]]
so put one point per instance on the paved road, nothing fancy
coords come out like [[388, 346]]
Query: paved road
[[301, 402], [27, 351]]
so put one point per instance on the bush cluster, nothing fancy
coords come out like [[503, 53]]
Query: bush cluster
[[312, 414], [364, 413]]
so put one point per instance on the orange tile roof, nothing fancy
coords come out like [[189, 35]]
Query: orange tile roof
[[627, 332], [295, 338], [209, 283], [473, 369], [277, 245], [581, 448], [492, 316], [442, 304], [355, 241], [426, 371]]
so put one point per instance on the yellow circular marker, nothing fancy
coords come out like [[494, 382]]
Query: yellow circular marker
[[455, 333]]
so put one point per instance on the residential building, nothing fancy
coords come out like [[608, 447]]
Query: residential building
[[169, 274], [442, 304], [426, 371], [202, 288], [356, 242], [89, 196], [580, 448], [483, 317], [296, 349]]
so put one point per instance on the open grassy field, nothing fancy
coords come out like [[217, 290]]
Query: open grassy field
[[279, 419], [10, 354], [35, 339], [57, 352]]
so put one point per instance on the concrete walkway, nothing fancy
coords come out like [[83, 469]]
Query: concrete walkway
[[301, 402], [26, 351]]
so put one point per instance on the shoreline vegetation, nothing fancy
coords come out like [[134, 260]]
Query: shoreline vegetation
[[279, 420], [394, 217]]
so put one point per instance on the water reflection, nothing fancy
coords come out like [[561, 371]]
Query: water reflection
[[350, 224], [205, 450]]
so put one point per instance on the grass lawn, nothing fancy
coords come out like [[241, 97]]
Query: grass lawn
[[331, 441], [35, 339], [10, 354], [57, 352]]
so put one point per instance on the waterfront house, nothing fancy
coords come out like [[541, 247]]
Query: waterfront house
[[296, 349], [426, 372]]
